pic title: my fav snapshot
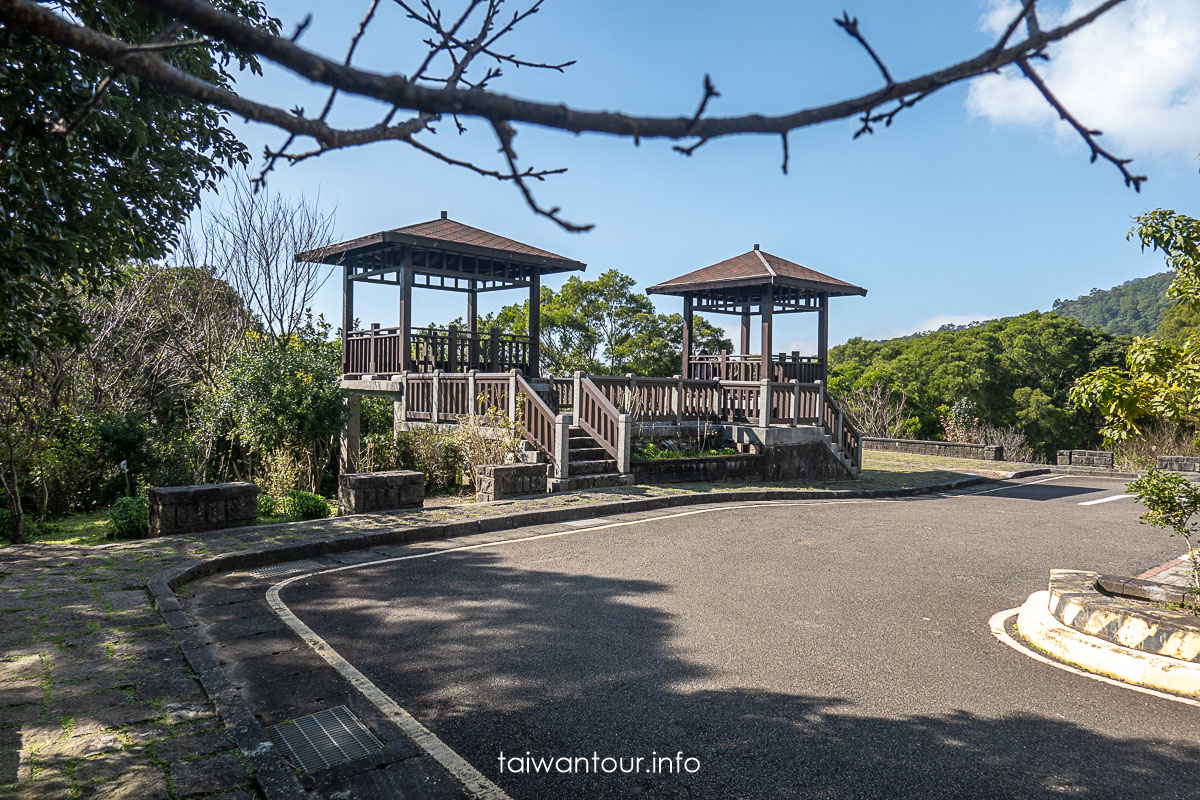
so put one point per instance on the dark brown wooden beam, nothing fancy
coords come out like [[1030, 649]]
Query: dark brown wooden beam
[[347, 316], [745, 343], [405, 309], [768, 311], [535, 323], [686, 350], [472, 330], [823, 334]]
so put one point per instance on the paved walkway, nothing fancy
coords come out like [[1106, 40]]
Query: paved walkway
[[96, 699]]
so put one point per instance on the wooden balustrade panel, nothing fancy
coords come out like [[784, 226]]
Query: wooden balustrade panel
[[700, 401], [809, 396], [598, 416], [419, 403], [491, 393], [564, 392], [453, 401], [537, 420], [613, 389], [654, 399], [740, 403], [781, 403]]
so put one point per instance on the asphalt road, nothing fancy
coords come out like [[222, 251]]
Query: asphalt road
[[829, 650]]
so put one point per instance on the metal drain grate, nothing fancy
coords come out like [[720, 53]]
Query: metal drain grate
[[585, 523], [321, 740], [286, 568]]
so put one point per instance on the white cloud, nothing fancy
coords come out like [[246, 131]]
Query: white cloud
[[929, 324], [1133, 74]]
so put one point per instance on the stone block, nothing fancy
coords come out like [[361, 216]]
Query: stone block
[[189, 509], [364, 492]]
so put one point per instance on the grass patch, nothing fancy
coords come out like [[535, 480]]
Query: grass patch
[[653, 453], [81, 529]]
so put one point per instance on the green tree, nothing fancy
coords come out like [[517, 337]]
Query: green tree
[[1160, 379], [100, 169], [279, 399], [1014, 372], [1135, 308]]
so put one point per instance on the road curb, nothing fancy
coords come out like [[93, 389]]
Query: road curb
[[274, 774], [1037, 625]]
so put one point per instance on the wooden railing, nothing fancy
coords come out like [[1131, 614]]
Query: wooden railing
[[677, 400], [537, 419], [377, 351], [598, 416], [742, 367], [564, 391], [603, 401]]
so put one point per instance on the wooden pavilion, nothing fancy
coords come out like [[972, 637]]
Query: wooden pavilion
[[446, 255], [756, 283]]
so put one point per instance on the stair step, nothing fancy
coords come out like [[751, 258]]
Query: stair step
[[598, 481], [587, 453], [596, 467]]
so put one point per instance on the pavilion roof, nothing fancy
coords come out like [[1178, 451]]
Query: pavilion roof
[[755, 269], [445, 236]]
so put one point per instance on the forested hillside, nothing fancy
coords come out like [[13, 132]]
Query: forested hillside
[[1135, 308], [1013, 373]]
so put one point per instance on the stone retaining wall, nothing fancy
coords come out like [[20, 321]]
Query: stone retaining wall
[[1085, 458], [191, 509], [982, 452], [703, 469], [1178, 463], [499, 481], [362, 492]]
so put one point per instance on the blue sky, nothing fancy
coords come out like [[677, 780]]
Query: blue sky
[[973, 205]]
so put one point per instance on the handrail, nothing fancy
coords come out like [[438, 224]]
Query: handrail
[[598, 417], [537, 426]]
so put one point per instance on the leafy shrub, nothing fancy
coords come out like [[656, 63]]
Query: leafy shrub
[[488, 438], [129, 518], [1171, 502], [654, 453], [268, 506], [281, 472], [304, 505], [429, 450]]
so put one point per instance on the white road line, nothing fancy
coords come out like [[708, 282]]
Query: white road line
[[1105, 500], [471, 779], [997, 625]]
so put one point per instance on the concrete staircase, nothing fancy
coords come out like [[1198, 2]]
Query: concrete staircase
[[589, 465], [847, 459]]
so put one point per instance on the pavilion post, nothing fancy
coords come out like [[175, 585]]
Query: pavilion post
[[823, 334], [767, 308], [745, 350], [687, 336], [405, 312], [535, 322], [473, 327], [347, 316]]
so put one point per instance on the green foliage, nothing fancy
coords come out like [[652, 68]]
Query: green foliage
[[1135, 308], [78, 207], [303, 505], [129, 518], [652, 452], [1171, 502], [1015, 372], [268, 506], [604, 326], [1160, 380], [488, 438], [432, 451], [277, 397]]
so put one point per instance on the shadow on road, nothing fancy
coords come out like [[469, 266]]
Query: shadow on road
[[497, 659]]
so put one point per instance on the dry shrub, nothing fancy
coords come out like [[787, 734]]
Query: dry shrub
[[1162, 439], [488, 438]]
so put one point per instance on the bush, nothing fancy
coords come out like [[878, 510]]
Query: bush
[[268, 506], [129, 518], [304, 505], [5, 524], [485, 439]]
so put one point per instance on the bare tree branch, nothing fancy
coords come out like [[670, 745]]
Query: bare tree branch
[[1088, 135], [464, 97]]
